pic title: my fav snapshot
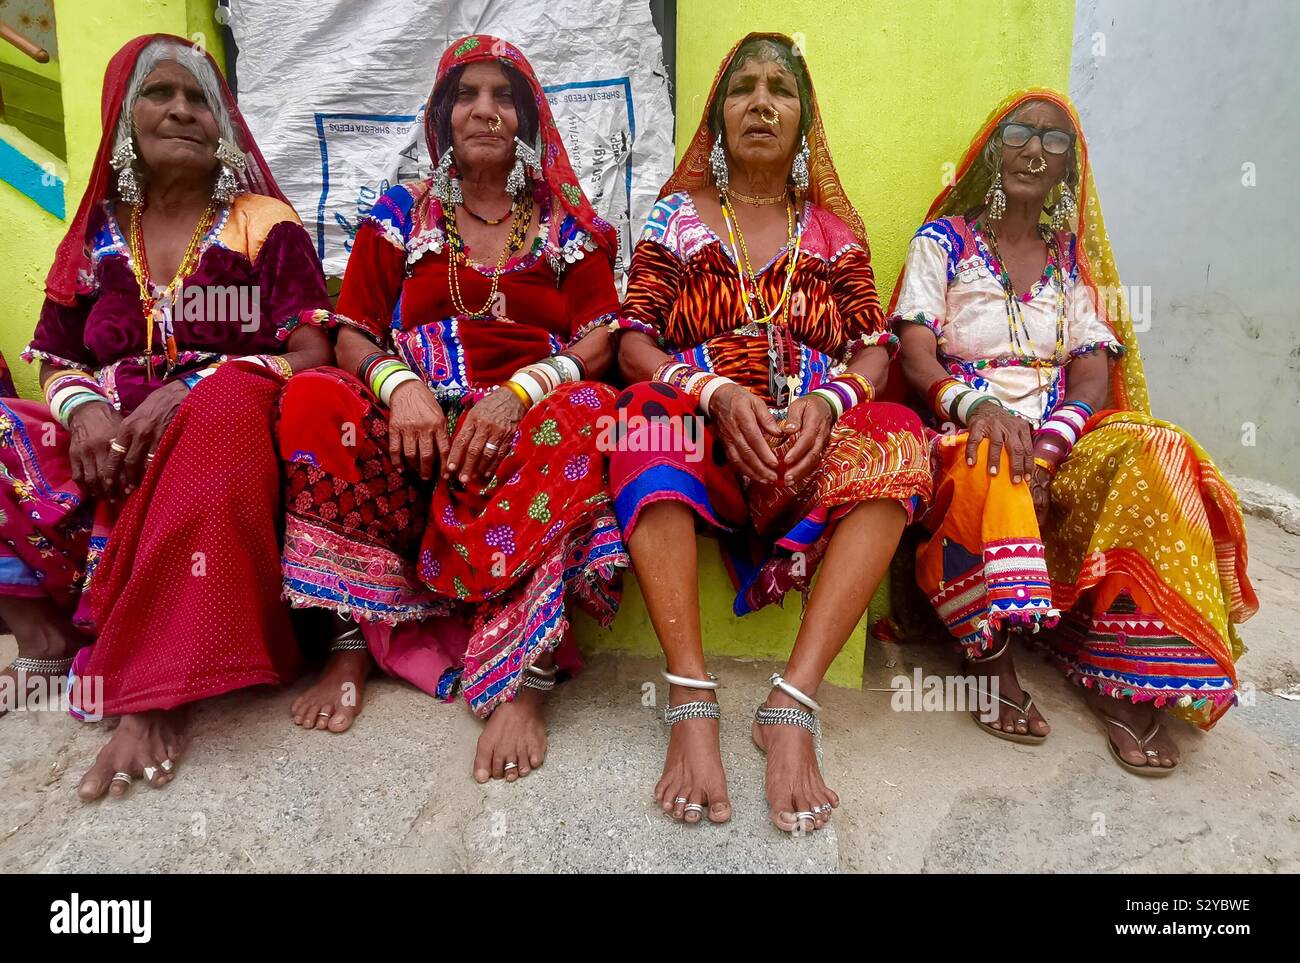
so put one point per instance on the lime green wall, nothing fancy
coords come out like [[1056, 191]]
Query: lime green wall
[[903, 85], [89, 32]]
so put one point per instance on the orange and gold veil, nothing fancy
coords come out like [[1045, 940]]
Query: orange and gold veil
[[1096, 260], [824, 187]]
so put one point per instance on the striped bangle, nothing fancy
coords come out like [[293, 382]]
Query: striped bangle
[[966, 403], [1045, 465], [64, 416], [941, 395], [832, 399]]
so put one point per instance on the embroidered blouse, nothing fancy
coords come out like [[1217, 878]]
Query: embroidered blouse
[[684, 286], [257, 278], [951, 285], [396, 290]]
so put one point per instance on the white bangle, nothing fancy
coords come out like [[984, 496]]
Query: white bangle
[[525, 380], [399, 378], [570, 372], [710, 683], [793, 693], [707, 394], [969, 400], [949, 395]]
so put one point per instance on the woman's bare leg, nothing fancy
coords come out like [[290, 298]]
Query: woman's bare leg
[[665, 559], [43, 631], [334, 701], [856, 559]]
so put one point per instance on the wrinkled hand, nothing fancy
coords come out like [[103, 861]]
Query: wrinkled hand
[[481, 437], [141, 431], [417, 429], [745, 426], [93, 426], [810, 417], [1002, 428]]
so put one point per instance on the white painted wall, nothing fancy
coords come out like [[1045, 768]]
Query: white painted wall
[[1175, 97]]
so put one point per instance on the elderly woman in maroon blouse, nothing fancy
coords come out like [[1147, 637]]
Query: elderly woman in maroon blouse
[[175, 311]]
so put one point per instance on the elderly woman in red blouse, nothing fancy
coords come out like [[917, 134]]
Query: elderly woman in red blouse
[[446, 495]]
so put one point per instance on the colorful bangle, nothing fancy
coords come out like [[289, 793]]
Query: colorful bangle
[[941, 395], [392, 382], [519, 393], [710, 389], [1044, 464], [832, 399]]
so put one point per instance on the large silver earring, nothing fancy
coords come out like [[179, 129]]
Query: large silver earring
[[232, 162], [128, 181], [1064, 210], [718, 164], [526, 162], [799, 169], [996, 198], [445, 187]]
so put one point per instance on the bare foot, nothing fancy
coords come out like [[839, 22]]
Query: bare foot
[[334, 701], [794, 781], [140, 741], [514, 733], [1139, 717], [1009, 718], [693, 770]]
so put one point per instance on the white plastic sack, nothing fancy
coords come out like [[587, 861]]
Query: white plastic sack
[[334, 92]]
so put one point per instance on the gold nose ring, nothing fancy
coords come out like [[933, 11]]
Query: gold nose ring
[[1038, 170], [495, 124], [769, 116]]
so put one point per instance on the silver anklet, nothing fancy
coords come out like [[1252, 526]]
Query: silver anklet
[[40, 666], [691, 710]]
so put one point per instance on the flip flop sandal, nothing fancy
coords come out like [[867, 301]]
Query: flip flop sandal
[[1148, 771], [1024, 738]]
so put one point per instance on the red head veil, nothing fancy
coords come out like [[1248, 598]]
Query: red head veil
[[556, 169], [72, 255], [824, 187], [1096, 260]]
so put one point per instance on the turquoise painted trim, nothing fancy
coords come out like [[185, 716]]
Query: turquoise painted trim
[[28, 177]]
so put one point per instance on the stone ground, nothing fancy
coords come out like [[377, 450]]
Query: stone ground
[[919, 791]]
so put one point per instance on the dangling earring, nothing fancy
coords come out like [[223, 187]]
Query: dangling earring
[[799, 169], [445, 187], [128, 183], [996, 198], [718, 164], [1064, 210], [232, 162], [526, 162]]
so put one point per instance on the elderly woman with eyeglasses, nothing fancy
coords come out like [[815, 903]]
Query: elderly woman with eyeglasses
[[1056, 491]]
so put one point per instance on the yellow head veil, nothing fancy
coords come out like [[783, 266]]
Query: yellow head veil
[[1096, 261]]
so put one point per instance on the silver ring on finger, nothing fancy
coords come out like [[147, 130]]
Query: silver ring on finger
[[491, 447], [121, 777], [117, 447]]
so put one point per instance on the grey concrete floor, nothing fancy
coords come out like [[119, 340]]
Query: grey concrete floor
[[919, 791]]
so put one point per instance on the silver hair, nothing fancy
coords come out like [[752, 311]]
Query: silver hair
[[992, 155], [198, 65]]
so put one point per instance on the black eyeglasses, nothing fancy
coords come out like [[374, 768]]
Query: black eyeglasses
[[1053, 139]]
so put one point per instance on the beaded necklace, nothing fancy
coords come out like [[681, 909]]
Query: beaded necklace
[[1021, 344], [456, 255], [782, 359], [164, 301]]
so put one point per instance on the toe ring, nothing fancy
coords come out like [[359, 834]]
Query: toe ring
[[166, 765], [149, 773], [121, 777], [695, 808], [510, 765]]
